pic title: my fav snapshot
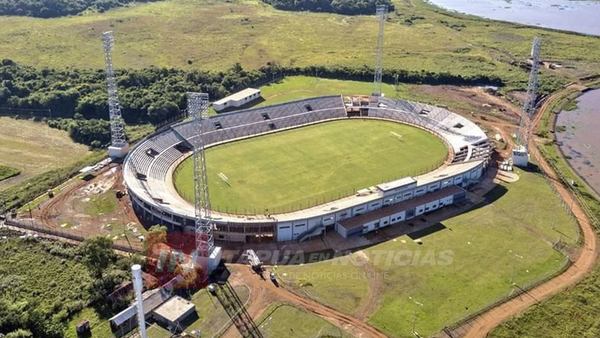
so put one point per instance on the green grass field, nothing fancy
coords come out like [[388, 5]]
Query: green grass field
[[34, 148], [7, 172], [169, 33], [572, 313], [456, 271], [301, 87], [98, 323], [281, 320], [99, 205], [212, 318], [576, 311], [302, 167]]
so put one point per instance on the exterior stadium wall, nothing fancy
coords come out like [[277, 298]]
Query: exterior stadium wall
[[299, 225], [294, 229]]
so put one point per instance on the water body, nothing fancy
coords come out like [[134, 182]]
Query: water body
[[581, 16], [581, 139]]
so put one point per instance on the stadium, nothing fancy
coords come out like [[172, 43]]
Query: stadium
[[153, 179]]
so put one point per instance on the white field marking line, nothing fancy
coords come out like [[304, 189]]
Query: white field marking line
[[396, 134], [223, 177]]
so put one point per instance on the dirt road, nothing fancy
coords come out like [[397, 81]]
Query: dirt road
[[481, 325], [265, 293]]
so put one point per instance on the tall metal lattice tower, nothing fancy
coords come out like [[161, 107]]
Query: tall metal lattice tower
[[530, 100], [117, 130], [197, 108], [381, 13]]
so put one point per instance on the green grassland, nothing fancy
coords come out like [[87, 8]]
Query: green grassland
[[212, 318], [102, 204], [34, 148], [211, 34], [339, 283], [456, 271], [7, 172], [302, 167], [156, 331], [281, 320], [301, 87], [575, 312], [99, 324]]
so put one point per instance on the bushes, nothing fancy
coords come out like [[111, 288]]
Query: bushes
[[8, 172], [146, 95], [55, 8], [94, 133], [154, 95], [44, 283], [349, 7]]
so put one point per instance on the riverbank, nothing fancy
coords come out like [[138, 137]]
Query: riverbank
[[577, 137], [571, 16]]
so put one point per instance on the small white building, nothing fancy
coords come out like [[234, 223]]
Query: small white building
[[175, 313], [237, 100]]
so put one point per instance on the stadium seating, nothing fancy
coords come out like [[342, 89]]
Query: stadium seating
[[217, 129], [148, 164]]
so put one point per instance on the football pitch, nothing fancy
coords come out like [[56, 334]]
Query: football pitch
[[299, 168]]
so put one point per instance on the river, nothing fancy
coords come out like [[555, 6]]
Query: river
[[582, 16], [580, 140]]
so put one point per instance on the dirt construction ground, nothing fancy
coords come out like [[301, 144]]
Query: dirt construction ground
[[91, 208]]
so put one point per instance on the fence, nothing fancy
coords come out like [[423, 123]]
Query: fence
[[558, 246], [566, 182], [30, 225], [518, 291]]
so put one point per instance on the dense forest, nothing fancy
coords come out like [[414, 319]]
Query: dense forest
[[55, 8], [349, 7], [154, 95]]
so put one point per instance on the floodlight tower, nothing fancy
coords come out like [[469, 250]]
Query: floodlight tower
[[381, 13], [206, 251], [520, 154], [119, 146]]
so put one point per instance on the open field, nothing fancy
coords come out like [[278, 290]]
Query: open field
[[456, 271], [8, 172], [282, 321], [302, 167], [212, 317], [302, 87], [575, 312], [169, 33], [98, 323], [33, 148], [458, 98]]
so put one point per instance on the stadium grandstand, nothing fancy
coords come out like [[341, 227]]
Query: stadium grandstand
[[149, 168]]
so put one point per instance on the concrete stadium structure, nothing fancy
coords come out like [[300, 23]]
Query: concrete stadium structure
[[149, 168]]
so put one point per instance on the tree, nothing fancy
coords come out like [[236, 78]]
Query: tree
[[98, 254], [156, 234], [162, 110]]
